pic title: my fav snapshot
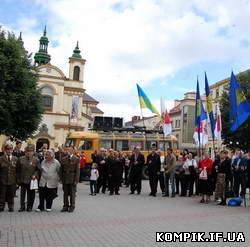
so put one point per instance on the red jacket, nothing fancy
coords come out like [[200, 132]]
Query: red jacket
[[82, 161], [208, 163]]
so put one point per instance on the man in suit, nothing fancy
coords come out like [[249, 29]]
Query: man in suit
[[70, 172], [137, 162], [28, 169], [7, 178], [17, 150], [154, 166], [102, 167]]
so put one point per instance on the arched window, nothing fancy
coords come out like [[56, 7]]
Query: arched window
[[47, 98], [76, 75]]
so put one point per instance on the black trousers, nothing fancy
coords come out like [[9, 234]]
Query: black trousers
[[188, 185], [102, 183], [177, 183], [25, 189], [126, 172], [239, 182], [162, 183], [115, 182], [7, 194], [135, 182], [46, 195], [69, 196], [153, 182]]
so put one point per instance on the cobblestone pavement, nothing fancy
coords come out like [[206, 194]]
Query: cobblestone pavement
[[119, 221]]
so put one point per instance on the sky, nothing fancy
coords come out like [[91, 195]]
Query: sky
[[163, 45]]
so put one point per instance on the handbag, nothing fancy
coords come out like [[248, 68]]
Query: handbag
[[34, 184], [203, 174]]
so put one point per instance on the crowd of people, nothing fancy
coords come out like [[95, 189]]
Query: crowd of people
[[227, 175]]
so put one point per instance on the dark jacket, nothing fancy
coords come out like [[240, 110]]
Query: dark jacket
[[239, 166], [102, 167], [8, 170], [225, 167], [137, 164], [18, 153], [26, 169], [115, 166], [154, 164], [70, 170]]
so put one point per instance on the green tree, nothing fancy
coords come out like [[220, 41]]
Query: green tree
[[20, 100], [240, 138]]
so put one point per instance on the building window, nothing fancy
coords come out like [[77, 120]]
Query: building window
[[47, 102], [177, 123], [47, 98], [76, 75]]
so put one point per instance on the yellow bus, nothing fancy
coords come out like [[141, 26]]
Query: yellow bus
[[88, 142]]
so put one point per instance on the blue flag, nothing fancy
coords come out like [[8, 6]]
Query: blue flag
[[209, 106], [239, 107], [200, 113]]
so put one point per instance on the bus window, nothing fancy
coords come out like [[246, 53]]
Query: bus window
[[121, 145], [85, 145], [150, 144], [70, 143], [134, 144], [107, 144], [161, 145]]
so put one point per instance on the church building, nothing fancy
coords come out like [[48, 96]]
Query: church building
[[67, 105]]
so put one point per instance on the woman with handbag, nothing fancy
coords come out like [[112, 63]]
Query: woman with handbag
[[205, 178]]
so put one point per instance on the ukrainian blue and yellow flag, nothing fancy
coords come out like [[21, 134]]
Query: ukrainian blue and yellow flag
[[200, 113], [145, 102], [239, 107], [209, 106]]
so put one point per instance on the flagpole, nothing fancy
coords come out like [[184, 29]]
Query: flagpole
[[144, 127]]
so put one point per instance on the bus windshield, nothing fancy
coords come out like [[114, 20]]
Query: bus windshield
[[70, 142]]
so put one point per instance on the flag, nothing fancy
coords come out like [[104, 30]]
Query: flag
[[166, 121], [200, 114], [239, 107], [218, 124], [200, 134], [209, 106], [145, 102]]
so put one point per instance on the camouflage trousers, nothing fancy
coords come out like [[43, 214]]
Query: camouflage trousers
[[220, 187]]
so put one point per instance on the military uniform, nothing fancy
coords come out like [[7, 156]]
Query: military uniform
[[27, 168], [7, 181], [70, 172]]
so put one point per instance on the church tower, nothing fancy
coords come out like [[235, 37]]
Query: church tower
[[76, 65], [42, 56]]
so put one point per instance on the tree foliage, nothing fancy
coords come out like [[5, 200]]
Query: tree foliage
[[240, 138], [20, 100]]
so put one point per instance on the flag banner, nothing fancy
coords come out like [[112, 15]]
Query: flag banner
[[200, 135], [200, 113], [218, 125], [74, 111], [209, 106], [145, 102], [165, 119], [239, 107]]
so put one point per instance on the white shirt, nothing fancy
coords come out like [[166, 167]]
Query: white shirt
[[189, 163], [94, 174], [162, 163]]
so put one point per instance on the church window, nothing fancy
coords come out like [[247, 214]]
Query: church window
[[47, 98], [76, 75]]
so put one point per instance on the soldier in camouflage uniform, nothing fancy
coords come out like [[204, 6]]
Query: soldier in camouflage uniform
[[27, 167], [7, 178], [70, 172]]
